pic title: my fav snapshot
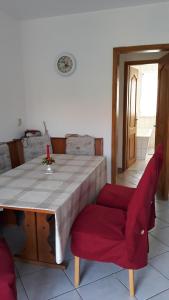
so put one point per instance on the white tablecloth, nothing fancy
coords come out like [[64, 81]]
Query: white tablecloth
[[75, 182]]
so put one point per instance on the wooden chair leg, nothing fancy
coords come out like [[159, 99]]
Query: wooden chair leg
[[77, 271], [131, 282]]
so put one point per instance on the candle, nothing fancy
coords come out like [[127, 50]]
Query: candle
[[47, 152]]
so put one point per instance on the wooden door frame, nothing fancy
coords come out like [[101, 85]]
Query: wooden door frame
[[125, 135], [115, 80]]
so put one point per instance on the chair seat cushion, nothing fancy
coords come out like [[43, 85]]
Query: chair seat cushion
[[115, 196], [105, 228], [98, 233], [7, 273]]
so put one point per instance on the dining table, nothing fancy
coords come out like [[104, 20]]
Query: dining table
[[50, 201]]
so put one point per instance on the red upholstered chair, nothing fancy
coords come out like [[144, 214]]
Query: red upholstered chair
[[116, 235], [118, 196], [115, 195], [7, 273]]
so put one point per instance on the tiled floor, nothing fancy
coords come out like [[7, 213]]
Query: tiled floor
[[102, 280]]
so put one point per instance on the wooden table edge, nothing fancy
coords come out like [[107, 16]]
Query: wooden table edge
[[35, 210]]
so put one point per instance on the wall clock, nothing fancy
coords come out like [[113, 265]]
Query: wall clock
[[65, 64]]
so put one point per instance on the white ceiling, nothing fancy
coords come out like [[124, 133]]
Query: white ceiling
[[29, 9]]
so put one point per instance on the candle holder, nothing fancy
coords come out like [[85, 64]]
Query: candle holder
[[48, 161]]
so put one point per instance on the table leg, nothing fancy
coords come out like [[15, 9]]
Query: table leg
[[37, 228], [45, 252], [30, 251]]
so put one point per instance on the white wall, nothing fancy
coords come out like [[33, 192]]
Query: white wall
[[81, 103], [11, 79]]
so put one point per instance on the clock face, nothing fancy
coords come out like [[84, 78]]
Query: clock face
[[65, 64]]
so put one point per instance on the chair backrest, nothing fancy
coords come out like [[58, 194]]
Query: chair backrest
[[59, 145], [35, 146], [140, 206], [5, 161], [80, 145]]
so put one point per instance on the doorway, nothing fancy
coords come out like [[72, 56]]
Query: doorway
[[162, 122], [139, 113]]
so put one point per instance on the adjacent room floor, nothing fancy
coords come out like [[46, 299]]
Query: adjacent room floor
[[104, 280]]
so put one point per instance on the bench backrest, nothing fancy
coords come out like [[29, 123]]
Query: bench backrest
[[59, 145], [5, 160]]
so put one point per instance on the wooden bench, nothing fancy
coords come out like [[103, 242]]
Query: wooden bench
[[58, 146]]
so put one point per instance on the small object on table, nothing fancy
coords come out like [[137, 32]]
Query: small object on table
[[48, 161], [47, 152], [49, 169]]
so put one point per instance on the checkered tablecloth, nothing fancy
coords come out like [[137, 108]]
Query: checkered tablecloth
[[75, 182]]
